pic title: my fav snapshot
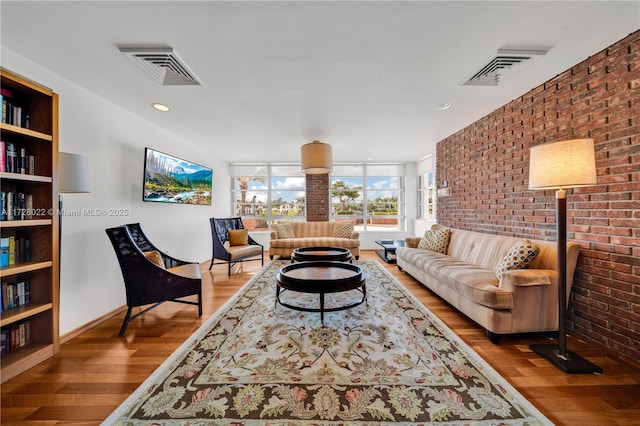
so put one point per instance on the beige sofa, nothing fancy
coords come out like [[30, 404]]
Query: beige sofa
[[287, 236], [522, 300]]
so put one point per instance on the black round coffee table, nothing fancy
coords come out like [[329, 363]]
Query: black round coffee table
[[312, 254], [321, 277]]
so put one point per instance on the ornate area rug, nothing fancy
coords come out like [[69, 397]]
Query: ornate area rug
[[390, 361]]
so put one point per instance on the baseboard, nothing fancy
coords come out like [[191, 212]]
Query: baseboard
[[88, 326]]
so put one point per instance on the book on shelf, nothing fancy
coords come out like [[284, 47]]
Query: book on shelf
[[10, 157], [16, 206], [15, 337], [3, 159], [4, 252], [16, 159], [3, 205], [15, 294], [12, 250], [22, 161]]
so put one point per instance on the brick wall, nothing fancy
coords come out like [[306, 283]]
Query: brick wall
[[317, 201], [486, 165]]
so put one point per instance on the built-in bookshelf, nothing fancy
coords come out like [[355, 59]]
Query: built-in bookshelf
[[29, 249]]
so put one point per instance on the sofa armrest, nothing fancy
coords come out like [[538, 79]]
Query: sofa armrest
[[355, 235], [274, 235], [412, 242], [527, 278]]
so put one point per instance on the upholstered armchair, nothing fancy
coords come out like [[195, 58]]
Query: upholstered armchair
[[232, 243], [152, 277]]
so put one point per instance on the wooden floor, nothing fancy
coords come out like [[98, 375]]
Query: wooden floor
[[94, 372]]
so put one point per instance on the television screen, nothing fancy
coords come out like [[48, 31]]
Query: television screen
[[169, 179]]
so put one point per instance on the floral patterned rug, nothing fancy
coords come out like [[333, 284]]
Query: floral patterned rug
[[389, 361]]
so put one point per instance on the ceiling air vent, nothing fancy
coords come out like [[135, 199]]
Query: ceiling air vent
[[163, 64], [504, 63]]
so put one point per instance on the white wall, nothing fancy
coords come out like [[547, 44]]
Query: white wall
[[113, 140]]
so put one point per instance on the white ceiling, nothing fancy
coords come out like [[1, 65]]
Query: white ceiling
[[366, 77]]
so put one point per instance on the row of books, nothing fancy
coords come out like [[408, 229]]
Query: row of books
[[12, 112], [16, 160], [16, 206], [14, 295], [15, 337], [14, 251]]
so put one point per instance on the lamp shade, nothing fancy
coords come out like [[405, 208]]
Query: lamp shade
[[316, 158], [566, 164], [73, 173]]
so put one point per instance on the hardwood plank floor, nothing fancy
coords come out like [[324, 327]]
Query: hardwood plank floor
[[95, 371]]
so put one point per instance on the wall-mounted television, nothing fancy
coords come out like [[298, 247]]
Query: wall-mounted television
[[168, 179]]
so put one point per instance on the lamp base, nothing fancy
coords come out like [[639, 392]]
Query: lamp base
[[570, 363]]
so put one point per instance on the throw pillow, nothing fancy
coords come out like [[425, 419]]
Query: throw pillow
[[424, 241], [284, 230], [155, 257], [238, 237], [439, 240], [342, 229], [519, 256]]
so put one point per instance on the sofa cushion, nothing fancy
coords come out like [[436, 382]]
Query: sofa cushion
[[470, 281], [342, 229], [519, 256], [312, 229], [284, 230], [238, 237], [315, 242], [237, 252]]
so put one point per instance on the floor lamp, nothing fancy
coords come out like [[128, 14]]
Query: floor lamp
[[562, 165], [73, 178]]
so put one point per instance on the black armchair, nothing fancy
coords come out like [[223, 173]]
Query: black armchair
[[150, 276], [232, 252]]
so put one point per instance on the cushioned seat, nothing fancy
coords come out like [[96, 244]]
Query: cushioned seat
[[152, 277], [505, 284], [288, 236], [232, 243]]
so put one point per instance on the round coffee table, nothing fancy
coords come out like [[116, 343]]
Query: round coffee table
[[320, 277], [312, 254]]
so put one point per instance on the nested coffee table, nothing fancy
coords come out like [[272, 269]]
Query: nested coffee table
[[320, 277], [310, 254]]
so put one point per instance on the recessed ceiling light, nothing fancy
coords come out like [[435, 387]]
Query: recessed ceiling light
[[444, 106], [161, 107]]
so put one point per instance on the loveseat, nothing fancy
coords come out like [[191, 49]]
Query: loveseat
[[517, 298], [287, 236]]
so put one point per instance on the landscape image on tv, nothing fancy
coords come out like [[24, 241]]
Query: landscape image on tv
[[168, 179]]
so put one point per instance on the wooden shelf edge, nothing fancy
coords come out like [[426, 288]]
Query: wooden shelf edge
[[6, 127], [24, 267], [26, 222], [23, 359], [23, 312], [26, 178]]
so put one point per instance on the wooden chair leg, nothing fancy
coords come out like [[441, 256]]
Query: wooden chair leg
[[125, 322]]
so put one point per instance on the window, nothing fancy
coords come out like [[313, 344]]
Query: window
[[372, 196], [369, 195], [426, 196], [287, 193], [265, 193], [250, 195]]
